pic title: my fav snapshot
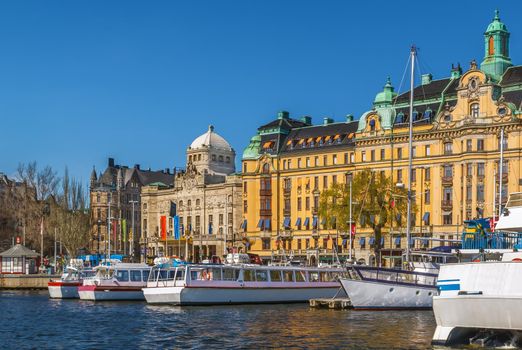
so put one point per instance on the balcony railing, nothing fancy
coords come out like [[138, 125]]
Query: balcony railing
[[286, 234], [265, 212], [265, 234], [447, 180], [265, 192]]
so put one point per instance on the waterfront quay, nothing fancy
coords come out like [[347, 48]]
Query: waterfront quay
[[90, 325]]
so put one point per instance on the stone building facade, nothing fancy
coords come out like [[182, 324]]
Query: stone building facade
[[458, 122], [118, 188], [207, 197]]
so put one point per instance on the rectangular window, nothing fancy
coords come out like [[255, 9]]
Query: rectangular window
[[448, 193], [346, 158], [427, 174], [307, 203], [469, 169], [316, 161], [448, 171], [245, 206], [399, 175], [298, 162], [334, 159], [469, 192], [220, 219], [480, 192], [399, 153], [363, 156], [427, 196], [299, 204], [266, 243], [289, 164], [413, 175], [448, 148], [469, 145], [413, 151], [427, 149], [325, 182], [307, 162], [480, 169], [383, 155], [299, 244], [334, 179], [316, 182], [480, 145], [447, 219], [372, 155]]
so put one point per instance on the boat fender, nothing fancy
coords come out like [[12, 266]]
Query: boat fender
[[476, 260], [517, 260]]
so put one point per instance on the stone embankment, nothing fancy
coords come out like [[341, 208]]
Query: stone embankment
[[25, 281]]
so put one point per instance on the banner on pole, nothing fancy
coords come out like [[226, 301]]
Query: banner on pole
[[163, 225], [124, 229], [176, 227]]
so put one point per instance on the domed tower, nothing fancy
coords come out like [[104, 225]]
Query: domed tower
[[211, 153], [496, 49], [383, 105]]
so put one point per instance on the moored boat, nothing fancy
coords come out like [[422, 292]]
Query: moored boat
[[240, 284], [121, 281], [67, 286]]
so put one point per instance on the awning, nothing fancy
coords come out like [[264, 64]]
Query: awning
[[351, 135], [260, 223], [362, 241], [289, 142], [244, 225], [318, 139], [301, 141], [310, 139], [306, 222], [327, 138], [398, 240], [372, 240], [298, 222], [337, 136], [314, 222], [286, 222], [267, 224], [426, 218]]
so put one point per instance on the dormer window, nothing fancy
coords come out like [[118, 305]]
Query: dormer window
[[372, 124], [475, 110]]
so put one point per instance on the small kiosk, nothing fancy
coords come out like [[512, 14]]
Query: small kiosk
[[18, 260]]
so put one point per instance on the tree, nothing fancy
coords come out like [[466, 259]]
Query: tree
[[376, 203]]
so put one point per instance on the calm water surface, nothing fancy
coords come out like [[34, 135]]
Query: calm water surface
[[31, 320]]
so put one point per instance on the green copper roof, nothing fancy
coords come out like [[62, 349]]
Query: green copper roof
[[252, 151], [385, 97], [496, 25]]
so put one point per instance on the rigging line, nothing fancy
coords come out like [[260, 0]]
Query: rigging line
[[364, 199], [420, 75], [402, 79]]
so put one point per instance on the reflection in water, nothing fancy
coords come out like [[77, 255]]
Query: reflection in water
[[30, 319]]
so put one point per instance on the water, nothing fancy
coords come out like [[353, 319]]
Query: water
[[28, 319]]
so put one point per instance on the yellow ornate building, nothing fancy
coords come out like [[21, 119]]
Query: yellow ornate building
[[458, 122]]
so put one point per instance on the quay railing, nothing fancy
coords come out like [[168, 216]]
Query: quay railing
[[496, 240]]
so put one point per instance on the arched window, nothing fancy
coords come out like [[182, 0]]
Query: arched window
[[190, 159], [266, 168], [372, 124], [228, 159], [221, 159], [199, 156], [189, 202], [197, 202], [180, 204], [474, 110], [491, 46], [214, 157]]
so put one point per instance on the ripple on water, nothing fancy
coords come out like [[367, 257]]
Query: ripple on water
[[31, 320]]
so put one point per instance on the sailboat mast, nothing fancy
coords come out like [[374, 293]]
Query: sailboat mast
[[500, 170], [413, 53]]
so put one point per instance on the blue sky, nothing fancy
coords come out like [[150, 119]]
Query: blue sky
[[138, 80]]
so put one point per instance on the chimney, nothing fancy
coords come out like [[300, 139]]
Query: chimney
[[327, 121], [167, 171], [283, 115], [456, 72], [307, 120], [111, 162], [426, 79], [137, 166], [349, 118]]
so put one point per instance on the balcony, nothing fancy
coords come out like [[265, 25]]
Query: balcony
[[197, 238], [286, 234], [265, 234], [315, 234], [265, 192], [504, 177], [447, 180], [447, 204], [315, 210], [287, 212], [287, 190]]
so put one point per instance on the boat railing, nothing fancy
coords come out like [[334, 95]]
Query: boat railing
[[394, 276], [491, 240], [166, 277]]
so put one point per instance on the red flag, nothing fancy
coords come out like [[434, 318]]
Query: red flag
[[392, 203], [163, 223], [352, 229]]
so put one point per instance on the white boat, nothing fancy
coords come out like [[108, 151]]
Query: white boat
[[484, 297], [67, 286], [240, 284], [390, 289], [121, 281]]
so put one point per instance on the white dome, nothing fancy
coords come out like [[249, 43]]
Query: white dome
[[210, 139]]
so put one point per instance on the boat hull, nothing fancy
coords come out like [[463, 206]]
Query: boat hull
[[379, 295], [217, 295], [62, 290], [99, 293]]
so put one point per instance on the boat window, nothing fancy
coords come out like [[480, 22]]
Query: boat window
[[122, 275], [248, 275], [171, 274], [194, 275], [215, 274], [135, 275], [300, 276], [180, 275], [230, 274], [275, 276], [288, 276], [261, 275], [146, 274], [313, 276]]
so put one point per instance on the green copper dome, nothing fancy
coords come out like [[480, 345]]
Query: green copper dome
[[496, 25], [386, 96], [252, 151]]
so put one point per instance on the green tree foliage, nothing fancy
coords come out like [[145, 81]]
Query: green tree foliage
[[376, 203]]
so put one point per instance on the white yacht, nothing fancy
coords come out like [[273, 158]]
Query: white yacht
[[67, 286], [240, 284], [120, 281], [484, 297]]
